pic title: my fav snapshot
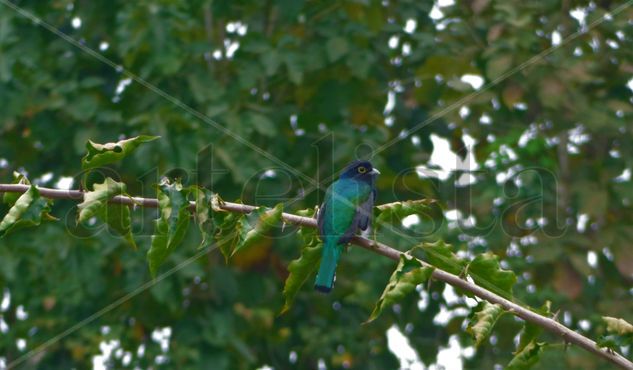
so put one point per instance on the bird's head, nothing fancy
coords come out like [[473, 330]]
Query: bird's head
[[360, 170]]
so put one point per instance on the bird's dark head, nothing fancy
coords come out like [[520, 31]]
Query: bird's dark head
[[360, 170]]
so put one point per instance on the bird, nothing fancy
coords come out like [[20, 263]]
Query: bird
[[347, 207]]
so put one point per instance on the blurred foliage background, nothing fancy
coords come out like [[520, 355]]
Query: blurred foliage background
[[539, 170]]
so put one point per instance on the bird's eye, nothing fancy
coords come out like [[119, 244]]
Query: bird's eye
[[362, 170]]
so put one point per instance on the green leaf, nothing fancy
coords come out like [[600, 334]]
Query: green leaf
[[266, 220], [484, 321], [96, 200], [407, 275], [440, 255], [303, 267], [172, 224], [487, 273], [308, 212], [271, 61], [526, 358], [229, 228], [611, 342], [307, 263], [336, 47], [295, 68], [262, 124], [11, 198], [117, 217], [204, 213], [531, 331], [617, 325], [229, 232], [28, 210], [396, 211], [101, 154]]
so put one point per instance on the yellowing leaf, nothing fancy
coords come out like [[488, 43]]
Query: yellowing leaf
[[96, 200], [28, 210], [617, 325], [484, 321], [407, 275], [18, 178], [101, 154]]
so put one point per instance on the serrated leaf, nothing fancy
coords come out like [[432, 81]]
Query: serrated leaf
[[101, 154], [487, 273], [440, 255], [229, 228], [615, 341], [266, 220], [117, 217], [396, 211], [526, 358], [611, 342], [11, 198], [171, 226], [97, 199], [28, 210], [484, 321], [204, 213], [407, 275], [302, 268], [617, 325]]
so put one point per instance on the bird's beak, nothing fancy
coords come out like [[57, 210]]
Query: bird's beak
[[374, 171]]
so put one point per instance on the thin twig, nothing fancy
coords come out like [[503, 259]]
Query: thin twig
[[547, 323]]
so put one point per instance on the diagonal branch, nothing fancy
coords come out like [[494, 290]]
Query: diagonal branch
[[547, 323]]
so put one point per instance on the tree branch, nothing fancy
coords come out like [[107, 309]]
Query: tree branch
[[547, 323]]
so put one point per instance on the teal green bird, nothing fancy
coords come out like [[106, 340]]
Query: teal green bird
[[347, 208]]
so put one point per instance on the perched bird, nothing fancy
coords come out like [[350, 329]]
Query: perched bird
[[347, 207]]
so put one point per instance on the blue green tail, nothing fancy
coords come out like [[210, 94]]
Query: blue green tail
[[327, 269]]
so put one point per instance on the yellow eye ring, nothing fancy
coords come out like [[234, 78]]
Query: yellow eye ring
[[362, 170]]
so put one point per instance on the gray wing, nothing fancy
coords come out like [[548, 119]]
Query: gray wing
[[365, 211], [361, 219], [320, 219]]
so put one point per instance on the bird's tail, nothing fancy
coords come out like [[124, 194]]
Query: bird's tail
[[327, 269]]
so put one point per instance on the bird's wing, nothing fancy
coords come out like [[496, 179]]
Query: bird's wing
[[321, 217], [364, 212], [361, 218], [324, 209]]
